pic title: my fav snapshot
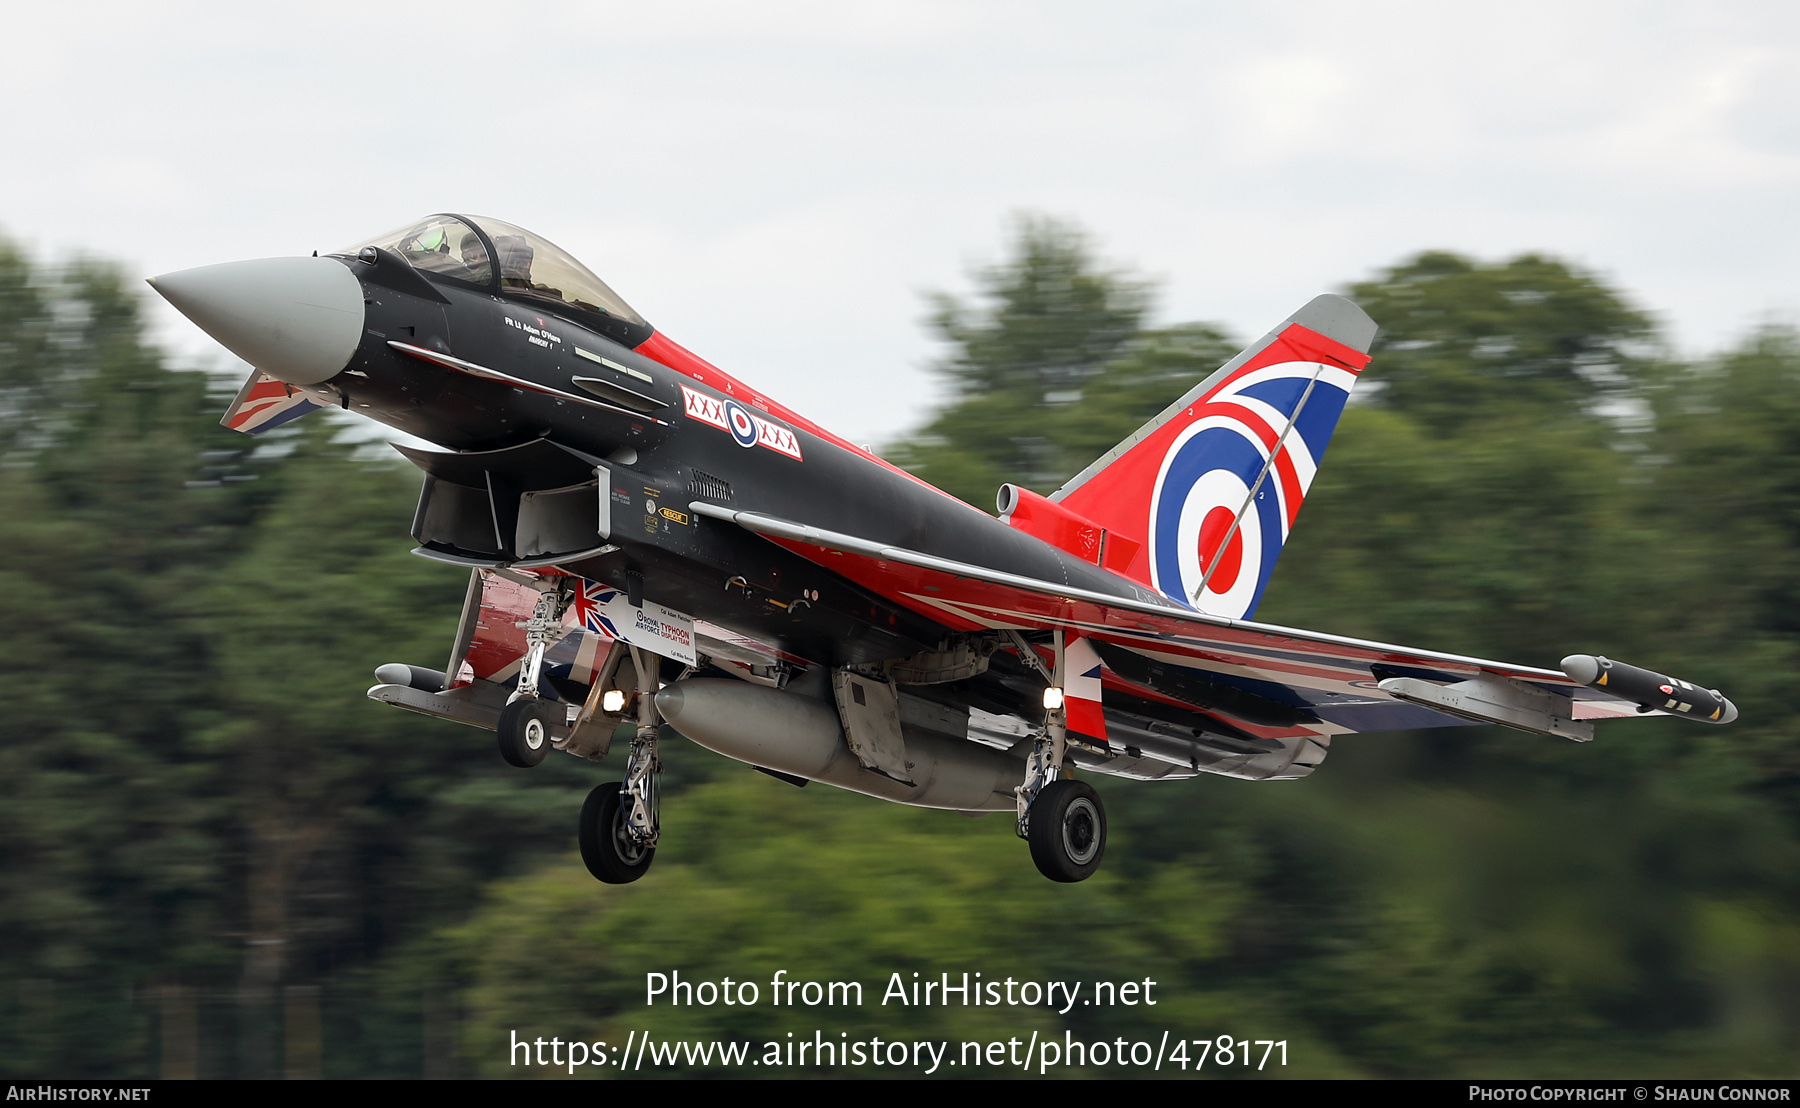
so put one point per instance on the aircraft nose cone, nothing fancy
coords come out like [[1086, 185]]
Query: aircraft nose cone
[[296, 319]]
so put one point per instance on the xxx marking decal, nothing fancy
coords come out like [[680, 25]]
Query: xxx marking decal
[[745, 427]]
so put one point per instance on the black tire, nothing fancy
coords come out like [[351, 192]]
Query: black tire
[[1068, 831], [606, 848], [525, 731]]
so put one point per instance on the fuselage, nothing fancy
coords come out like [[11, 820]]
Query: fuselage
[[577, 439], [699, 435]]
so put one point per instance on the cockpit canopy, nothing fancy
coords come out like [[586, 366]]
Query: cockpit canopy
[[465, 249]]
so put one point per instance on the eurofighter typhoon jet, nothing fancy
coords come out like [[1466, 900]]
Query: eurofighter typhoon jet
[[651, 541]]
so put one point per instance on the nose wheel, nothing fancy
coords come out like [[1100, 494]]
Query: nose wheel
[[526, 720], [525, 731]]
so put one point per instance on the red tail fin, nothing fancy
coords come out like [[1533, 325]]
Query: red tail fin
[[1198, 502]]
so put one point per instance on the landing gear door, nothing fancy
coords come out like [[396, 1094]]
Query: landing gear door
[[465, 630], [870, 712]]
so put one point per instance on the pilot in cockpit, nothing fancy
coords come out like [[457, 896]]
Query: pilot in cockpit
[[474, 255]]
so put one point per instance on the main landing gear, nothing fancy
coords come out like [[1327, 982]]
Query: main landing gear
[[1067, 830], [1061, 819], [620, 822]]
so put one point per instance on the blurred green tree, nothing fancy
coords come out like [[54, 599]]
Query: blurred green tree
[[1725, 500], [1462, 341], [1048, 369], [192, 792]]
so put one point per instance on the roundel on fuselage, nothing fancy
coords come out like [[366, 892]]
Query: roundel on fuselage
[[740, 423]]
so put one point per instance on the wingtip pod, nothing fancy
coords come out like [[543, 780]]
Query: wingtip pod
[[1649, 690]]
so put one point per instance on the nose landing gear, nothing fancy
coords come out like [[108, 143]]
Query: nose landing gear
[[1062, 819], [525, 721]]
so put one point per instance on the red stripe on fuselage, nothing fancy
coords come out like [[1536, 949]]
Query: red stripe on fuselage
[[662, 349]]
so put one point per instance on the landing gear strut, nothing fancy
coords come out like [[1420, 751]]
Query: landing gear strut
[[525, 722], [620, 823], [1062, 819]]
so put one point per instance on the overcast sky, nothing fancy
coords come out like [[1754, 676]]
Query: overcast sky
[[775, 184]]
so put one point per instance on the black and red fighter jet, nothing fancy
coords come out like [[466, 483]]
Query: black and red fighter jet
[[652, 541]]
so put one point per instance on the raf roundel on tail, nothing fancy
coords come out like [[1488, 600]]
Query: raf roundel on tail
[[1221, 474], [1232, 482]]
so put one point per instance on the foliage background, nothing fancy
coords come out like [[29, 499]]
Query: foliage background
[[202, 819]]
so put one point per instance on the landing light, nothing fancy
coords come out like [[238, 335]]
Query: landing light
[[1053, 697], [613, 700]]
